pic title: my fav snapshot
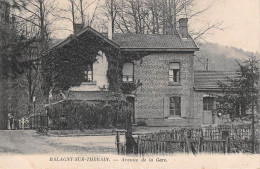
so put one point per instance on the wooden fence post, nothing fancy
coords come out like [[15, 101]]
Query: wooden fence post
[[117, 142], [186, 141], [200, 140], [227, 145], [138, 146]]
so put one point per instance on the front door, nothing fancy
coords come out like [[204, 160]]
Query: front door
[[208, 104], [207, 117]]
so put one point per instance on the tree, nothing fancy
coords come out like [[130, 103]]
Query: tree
[[241, 95], [25, 35], [156, 16], [12, 46], [38, 14], [30, 81], [77, 12]]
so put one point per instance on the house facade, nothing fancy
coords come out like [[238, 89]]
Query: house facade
[[171, 94]]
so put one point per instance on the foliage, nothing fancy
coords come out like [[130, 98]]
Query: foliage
[[13, 46], [114, 72], [86, 115], [128, 88], [242, 93], [63, 67], [141, 123]]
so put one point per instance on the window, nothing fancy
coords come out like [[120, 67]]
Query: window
[[174, 72], [128, 72], [88, 73], [175, 106], [208, 103]]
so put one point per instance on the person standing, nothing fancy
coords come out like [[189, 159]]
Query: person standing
[[11, 123]]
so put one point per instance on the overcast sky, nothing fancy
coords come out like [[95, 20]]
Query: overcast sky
[[241, 18]]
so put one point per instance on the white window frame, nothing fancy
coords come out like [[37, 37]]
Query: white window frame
[[128, 78], [174, 73]]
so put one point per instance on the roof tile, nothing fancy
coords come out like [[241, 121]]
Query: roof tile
[[209, 80], [153, 41]]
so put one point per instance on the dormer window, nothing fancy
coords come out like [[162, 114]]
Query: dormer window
[[128, 72], [88, 73], [174, 72]]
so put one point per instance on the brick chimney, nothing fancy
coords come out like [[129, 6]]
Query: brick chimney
[[183, 28], [109, 30], [77, 27]]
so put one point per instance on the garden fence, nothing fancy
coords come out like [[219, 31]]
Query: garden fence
[[220, 139]]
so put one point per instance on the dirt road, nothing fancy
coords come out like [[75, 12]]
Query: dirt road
[[29, 142]]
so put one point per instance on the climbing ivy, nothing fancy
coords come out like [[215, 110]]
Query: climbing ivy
[[62, 67]]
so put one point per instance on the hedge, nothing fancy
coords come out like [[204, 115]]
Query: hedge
[[86, 115]]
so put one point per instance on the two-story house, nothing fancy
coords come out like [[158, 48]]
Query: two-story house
[[171, 93]]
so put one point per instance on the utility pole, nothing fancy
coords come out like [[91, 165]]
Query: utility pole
[[34, 111], [207, 64]]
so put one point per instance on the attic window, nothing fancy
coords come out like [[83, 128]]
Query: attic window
[[128, 72], [174, 72], [88, 73]]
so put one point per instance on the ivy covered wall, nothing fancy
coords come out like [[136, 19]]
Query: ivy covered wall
[[63, 67]]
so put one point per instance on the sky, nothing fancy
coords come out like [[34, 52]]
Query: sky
[[241, 20]]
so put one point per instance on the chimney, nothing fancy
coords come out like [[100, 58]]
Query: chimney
[[183, 28], [109, 30], [77, 27]]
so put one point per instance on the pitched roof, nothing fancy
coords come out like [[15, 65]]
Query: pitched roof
[[154, 42], [84, 30], [140, 42], [209, 80]]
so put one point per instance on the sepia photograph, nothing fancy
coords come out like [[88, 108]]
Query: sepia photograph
[[126, 84]]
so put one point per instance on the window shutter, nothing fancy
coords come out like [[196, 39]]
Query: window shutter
[[183, 107], [166, 106]]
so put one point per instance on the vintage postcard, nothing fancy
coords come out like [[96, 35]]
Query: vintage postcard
[[130, 84]]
